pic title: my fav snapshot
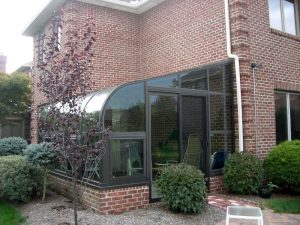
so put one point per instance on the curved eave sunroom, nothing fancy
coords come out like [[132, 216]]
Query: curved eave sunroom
[[185, 116]]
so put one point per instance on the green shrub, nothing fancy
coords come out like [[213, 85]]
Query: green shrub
[[43, 156], [12, 146], [243, 173], [18, 179], [183, 188], [40, 154], [282, 165]]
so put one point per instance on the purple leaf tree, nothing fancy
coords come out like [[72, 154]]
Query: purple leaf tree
[[65, 65]]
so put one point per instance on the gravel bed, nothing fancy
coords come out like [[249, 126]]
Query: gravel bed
[[56, 210]]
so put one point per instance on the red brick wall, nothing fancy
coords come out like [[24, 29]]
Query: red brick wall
[[216, 185], [179, 35], [255, 42], [112, 201], [117, 52]]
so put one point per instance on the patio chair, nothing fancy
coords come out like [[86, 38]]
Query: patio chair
[[218, 159], [193, 151]]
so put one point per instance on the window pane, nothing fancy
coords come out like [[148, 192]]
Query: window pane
[[216, 78], [275, 14], [125, 111], [281, 117], [229, 121], [127, 158], [217, 112], [94, 106], [164, 129], [295, 116], [289, 16], [220, 148], [195, 80], [168, 81], [228, 75], [194, 131]]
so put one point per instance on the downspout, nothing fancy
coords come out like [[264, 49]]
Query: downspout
[[237, 77]]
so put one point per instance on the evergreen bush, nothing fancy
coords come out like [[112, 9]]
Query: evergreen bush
[[243, 173], [12, 146], [43, 156], [18, 179], [282, 165], [183, 188]]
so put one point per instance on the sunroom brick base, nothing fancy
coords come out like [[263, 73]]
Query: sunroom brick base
[[112, 201], [216, 185]]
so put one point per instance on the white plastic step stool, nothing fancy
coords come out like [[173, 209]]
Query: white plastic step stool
[[244, 212]]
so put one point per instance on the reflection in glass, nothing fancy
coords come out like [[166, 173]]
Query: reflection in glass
[[125, 110], [167, 81], [228, 72], [217, 112], [216, 78], [295, 116], [220, 149], [164, 129], [164, 134], [228, 109], [127, 158], [289, 16], [93, 104], [275, 14], [281, 117], [195, 80], [194, 130]]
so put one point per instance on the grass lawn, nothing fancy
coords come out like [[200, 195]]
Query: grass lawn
[[283, 205], [10, 215]]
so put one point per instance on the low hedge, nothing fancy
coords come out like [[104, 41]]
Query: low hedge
[[243, 173], [12, 146], [282, 165], [183, 188], [18, 179]]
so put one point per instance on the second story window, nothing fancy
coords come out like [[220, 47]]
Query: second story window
[[284, 15], [57, 30], [41, 48]]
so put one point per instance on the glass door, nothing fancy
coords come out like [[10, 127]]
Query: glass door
[[178, 132], [164, 122], [194, 131]]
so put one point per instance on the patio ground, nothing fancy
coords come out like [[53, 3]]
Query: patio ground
[[56, 210], [268, 215]]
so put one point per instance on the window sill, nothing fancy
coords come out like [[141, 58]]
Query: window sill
[[284, 34]]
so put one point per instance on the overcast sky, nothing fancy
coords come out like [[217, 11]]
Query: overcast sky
[[15, 15]]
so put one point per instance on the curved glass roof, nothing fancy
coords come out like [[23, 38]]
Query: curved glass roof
[[96, 100]]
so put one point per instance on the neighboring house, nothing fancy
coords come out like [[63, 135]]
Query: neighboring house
[[179, 80], [3, 60], [25, 68], [16, 125]]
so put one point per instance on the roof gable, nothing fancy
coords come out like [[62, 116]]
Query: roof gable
[[132, 6]]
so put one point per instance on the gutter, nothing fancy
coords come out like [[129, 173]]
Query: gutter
[[237, 76]]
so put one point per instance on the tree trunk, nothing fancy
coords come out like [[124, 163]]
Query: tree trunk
[[75, 200], [44, 184]]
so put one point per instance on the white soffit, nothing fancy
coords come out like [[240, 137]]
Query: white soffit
[[132, 6]]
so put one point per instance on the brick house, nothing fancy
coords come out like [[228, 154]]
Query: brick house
[[182, 79]]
